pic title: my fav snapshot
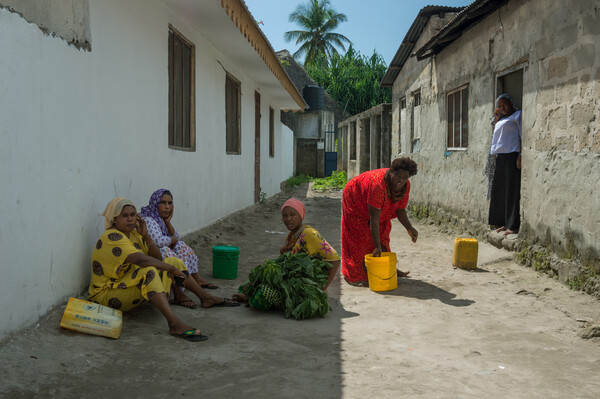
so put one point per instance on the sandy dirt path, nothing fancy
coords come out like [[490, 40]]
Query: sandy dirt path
[[503, 331]]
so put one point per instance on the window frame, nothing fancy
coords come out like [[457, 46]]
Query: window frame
[[187, 134], [416, 97], [237, 133], [463, 113]]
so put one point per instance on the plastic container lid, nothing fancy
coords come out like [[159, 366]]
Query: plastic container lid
[[225, 248]]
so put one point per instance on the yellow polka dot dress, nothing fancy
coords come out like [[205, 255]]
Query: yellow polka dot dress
[[122, 285]]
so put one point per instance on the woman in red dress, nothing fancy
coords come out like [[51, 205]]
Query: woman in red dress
[[370, 201]]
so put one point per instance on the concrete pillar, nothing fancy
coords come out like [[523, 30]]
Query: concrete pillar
[[386, 135], [364, 144], [375, 153]]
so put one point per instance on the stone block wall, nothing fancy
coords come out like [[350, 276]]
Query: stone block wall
[[556, 45], [366, 140]]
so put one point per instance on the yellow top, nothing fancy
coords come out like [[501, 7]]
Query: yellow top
[[109, 269]]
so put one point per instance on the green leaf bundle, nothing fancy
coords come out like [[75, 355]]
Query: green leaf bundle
[[300, 279]]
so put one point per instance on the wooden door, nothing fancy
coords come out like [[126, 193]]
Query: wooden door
[[256, 146]]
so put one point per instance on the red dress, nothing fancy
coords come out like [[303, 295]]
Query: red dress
[[366, 189]]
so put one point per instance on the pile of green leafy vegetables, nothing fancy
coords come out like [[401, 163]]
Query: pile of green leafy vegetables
[[300, 279]]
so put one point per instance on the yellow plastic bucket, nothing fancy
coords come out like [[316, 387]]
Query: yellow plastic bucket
[[382, 271]]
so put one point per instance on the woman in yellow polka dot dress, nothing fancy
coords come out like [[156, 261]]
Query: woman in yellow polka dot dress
[[127, 270]]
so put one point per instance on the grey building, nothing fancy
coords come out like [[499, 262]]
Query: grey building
[[315, 129], [445, 77]]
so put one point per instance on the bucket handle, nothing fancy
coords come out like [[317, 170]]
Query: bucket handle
[[384, 279], [389, 278]]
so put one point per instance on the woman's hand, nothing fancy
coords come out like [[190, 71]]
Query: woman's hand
[[413, 233], [241, 298], [176, 272], [174, 242], [168, 219], [377, 252], [497, 115], [519, 162], [140, 226]]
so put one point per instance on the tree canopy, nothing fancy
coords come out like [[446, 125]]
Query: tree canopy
[[352, 79], [319, 20]]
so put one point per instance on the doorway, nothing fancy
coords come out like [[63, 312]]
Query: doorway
[[256, 147], [511, 83]]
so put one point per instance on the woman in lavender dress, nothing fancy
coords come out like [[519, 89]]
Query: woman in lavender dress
[[157, 215]]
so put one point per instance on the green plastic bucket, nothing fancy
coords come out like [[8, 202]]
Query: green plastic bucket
[[225, 261]]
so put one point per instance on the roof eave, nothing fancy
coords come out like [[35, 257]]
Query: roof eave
[[243, 19], [464, 20]]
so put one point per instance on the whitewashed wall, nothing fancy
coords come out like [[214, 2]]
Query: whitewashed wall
[[79, 128]]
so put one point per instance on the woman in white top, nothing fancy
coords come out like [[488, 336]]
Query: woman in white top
[[506, 182]]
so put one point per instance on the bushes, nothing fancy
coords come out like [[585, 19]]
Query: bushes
[[336, 181]]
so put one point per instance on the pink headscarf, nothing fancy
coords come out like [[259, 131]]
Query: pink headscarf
[[296, 204]]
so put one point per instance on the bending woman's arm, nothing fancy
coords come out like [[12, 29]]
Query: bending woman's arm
[[403, 218], [374, 215]]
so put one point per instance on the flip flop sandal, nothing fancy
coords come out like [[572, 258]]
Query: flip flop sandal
[[209, 286], [192, 335], [190, 304], [227, 303]]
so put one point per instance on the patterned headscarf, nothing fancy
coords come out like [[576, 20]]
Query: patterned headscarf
[[296, 204], [508, 98], [151, 210], [113, 209]]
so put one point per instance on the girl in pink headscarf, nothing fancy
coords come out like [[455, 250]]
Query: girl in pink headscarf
[[302, 238]]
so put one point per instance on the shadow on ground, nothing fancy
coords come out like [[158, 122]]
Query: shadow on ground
[[413, 288]]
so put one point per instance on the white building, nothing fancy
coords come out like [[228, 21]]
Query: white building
[[106, 98]]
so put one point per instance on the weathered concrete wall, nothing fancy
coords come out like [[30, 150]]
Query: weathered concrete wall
[[373, 140], [68, 19], [557, 45]]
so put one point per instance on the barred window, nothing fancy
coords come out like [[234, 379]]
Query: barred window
[[458, 119], [182, 124]]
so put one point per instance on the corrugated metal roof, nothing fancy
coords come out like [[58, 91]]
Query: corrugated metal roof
[[469, 16], [413, 34]]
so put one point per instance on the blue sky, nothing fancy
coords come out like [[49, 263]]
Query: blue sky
[[371, 24]]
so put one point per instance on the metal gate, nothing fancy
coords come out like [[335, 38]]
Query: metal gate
[[330, 153]]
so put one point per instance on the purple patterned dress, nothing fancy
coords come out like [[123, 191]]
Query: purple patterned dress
[[160, 234]]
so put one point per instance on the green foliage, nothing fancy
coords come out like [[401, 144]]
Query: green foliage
[[300, 278], [352, 80], [420, 211], [295, 181], [318, 20], [263, 198], [336, 181]]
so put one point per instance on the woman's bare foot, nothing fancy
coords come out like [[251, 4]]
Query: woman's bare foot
[[179, 327], [221, 302], [357, 283], [203, 283], [499, 229], [402, 274], [183, 300], [509, 231]]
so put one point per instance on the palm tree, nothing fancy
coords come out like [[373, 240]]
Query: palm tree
[[319, 20]]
